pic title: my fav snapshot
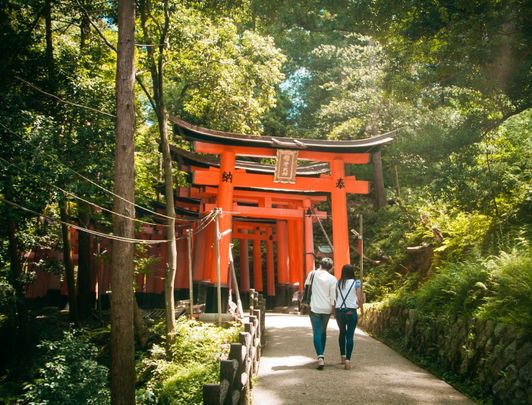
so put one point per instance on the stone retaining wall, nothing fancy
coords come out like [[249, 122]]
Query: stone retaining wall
[[494, 357]]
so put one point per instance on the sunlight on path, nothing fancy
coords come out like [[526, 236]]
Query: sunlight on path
[[288, 374]]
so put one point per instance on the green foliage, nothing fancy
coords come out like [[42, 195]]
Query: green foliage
[[69, 374], [385, 244], [458, 288], [185, 385], [217, 73], [176, 376], [463, 233], [196, 341], [511, 293], [499, 288]]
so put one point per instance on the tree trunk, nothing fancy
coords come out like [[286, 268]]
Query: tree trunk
[[84, 31], [396, 181], [67, 261], [84, 267], [156, 71], [379, 196], [49, 43], [171, 246], [15, 262], [122, 309]]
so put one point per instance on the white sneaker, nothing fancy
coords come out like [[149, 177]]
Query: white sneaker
[[321, 363], [342, 360], [347, 365]]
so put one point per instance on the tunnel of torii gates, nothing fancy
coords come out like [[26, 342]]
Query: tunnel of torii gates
[[267, 204]]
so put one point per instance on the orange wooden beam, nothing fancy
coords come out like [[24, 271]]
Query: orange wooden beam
[[217, 149], [250, 225], [261, 212], [270, 213], [251, 236], [252, 195], [323, 183]]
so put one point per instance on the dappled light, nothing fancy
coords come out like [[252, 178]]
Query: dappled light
[[288, 373], [171, 170]]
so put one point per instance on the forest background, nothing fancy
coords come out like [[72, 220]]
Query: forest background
[[453, 78]]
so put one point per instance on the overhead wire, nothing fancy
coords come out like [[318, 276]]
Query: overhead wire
[[33, 86], [83, 229], [96, 184], [104, 235], [66, 192], [200, 221]]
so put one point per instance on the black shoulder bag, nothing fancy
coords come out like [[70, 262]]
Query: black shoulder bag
[[304, 304]]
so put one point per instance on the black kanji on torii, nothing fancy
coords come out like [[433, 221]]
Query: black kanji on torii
[[340, 183], [227, 177]]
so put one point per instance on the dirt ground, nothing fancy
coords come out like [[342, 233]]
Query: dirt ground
[[288, 374]]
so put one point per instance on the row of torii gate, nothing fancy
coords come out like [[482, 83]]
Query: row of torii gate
[[266, 204]]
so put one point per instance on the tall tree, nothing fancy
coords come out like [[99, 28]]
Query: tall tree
[[122, 310], [156, 59]]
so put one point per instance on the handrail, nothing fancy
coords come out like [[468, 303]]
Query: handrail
[[243, 360]]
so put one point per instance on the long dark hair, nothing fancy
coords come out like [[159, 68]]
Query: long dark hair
[[348, 273]]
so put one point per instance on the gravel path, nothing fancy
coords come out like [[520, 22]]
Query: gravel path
[[288, 374]]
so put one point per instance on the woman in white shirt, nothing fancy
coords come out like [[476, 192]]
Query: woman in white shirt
[[322, 285], [348, 297]]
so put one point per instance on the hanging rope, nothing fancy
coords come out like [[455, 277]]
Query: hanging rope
[[323, 230]]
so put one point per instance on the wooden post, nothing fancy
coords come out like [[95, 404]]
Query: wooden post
[[378, 188], [269, 264], [240, 310], [282, 253], [209, 260], [293, 241], [257, 266], [244, 265], [361, 236], [190, 280], [211, 394], [300, 229], [309, 238], [199, 255], [218, 281]]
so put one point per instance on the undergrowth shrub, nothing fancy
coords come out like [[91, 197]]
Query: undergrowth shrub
[[511, 298], [499, 288], [176, 376], [69, 374], [458, 288]]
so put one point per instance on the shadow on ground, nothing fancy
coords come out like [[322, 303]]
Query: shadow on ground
[[288, 374]]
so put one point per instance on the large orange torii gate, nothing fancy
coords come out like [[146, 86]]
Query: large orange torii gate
[[274, 205], [230, 145]]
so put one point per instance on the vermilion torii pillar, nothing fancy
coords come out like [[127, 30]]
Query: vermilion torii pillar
[[270, 287], [339, 217], [282, 253], [244, 265], [225, 202]]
